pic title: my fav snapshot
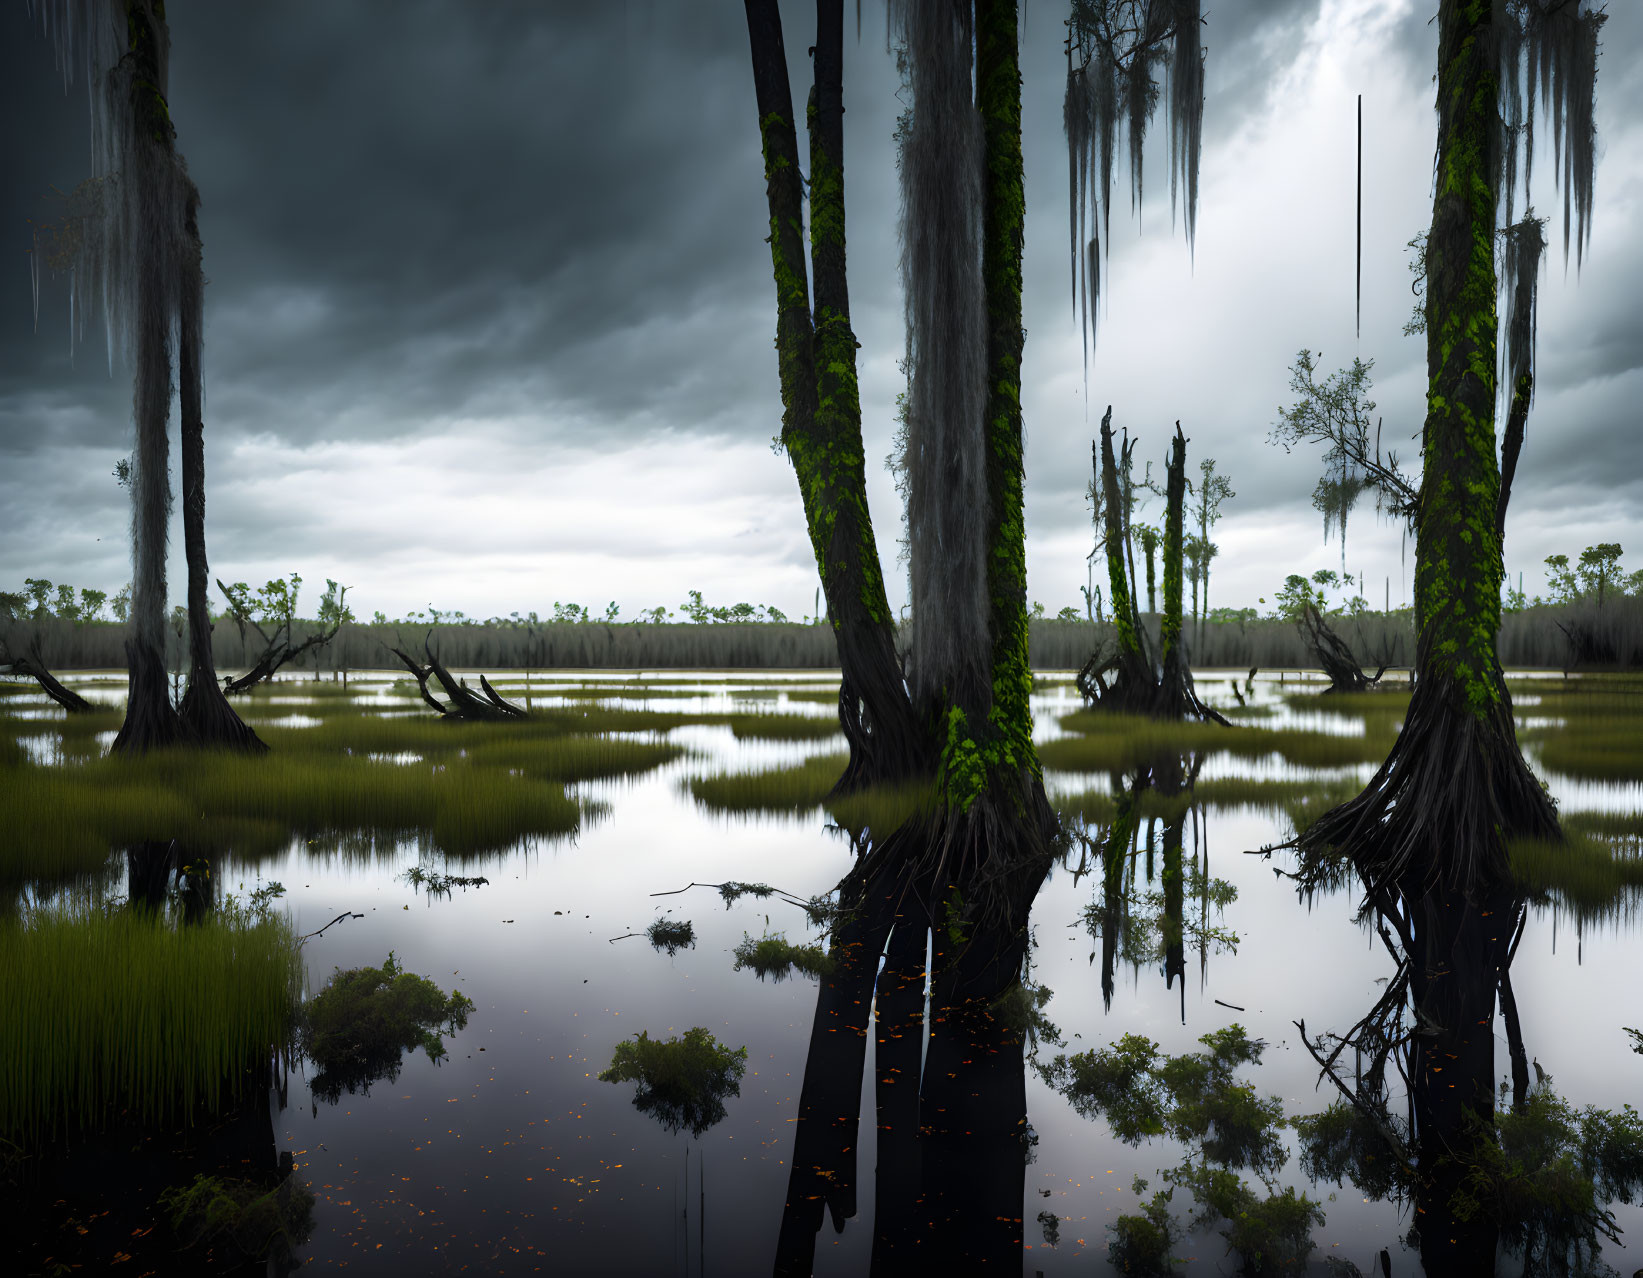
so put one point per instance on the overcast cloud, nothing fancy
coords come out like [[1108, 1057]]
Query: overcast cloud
[[489, 319]]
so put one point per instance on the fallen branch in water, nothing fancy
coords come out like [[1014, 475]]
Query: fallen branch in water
[[346, 914]]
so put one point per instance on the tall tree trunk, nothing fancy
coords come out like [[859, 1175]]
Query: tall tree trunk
[[205, 710], [1134, 663], [1455, 787], [821, 415], [150, 721], [1175, 487]]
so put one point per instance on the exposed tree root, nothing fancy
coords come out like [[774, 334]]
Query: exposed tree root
[[210, 720], [150, 722], [1439, 812], [30, 664], [1135, 690], [464, 702]]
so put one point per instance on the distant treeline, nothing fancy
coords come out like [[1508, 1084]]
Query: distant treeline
[[1549, 636]]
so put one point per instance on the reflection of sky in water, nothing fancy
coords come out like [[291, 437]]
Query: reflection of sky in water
[[512, 1143]]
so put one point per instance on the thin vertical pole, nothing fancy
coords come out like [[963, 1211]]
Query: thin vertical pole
[[1358, 316]]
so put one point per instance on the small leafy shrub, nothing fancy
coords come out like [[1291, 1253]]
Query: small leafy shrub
[[357, 1027], [682, 1081]]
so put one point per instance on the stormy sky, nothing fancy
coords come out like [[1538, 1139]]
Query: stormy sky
[[489, 320]]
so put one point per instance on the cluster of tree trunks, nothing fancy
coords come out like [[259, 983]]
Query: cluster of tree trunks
[[1129, 678]]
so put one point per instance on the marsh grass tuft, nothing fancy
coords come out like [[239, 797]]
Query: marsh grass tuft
[[119, 1010], [778, 958], [1587, 871], [66, 820], [791, 789], [356, 1029], [1121, 743]]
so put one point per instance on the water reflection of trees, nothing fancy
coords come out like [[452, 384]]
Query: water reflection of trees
[[1141, 915], [1519, 1173]]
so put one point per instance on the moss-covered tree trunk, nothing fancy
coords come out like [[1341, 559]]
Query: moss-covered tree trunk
[[205, 710], [821, 413], [1130, 662], [1455, 788], [1175, 489], [150, 721]]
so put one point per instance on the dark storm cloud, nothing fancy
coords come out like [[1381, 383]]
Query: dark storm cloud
[[487, 234]]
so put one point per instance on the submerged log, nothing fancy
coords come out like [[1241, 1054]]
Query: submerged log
[[29, 664]]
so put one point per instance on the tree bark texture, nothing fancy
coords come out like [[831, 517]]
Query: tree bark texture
[[150, 720]]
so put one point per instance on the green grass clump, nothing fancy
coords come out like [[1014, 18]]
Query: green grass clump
[[807, 785], [105, 1012], [879, 808], [357, 1028], [1123, 743], [682, 1081], [791, 789], [783, 727], [65, 820], [567, 759], [778, 958], [1308, 797], [1593, 747], [1585, 871]]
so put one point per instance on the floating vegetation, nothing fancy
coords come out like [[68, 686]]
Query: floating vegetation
[[435, 883], [119, 1010], [671, 935], [683, 1082], [776, 958], [242, 1215], [356, 1029]]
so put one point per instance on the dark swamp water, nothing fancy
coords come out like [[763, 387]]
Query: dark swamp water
[[511, 1155]]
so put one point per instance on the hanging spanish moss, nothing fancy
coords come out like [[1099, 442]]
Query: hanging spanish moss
[[138, 263], [1113, 48], [1549, 48], [941, 176]]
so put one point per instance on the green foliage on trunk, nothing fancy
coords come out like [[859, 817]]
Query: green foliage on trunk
[[1458, 559]]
